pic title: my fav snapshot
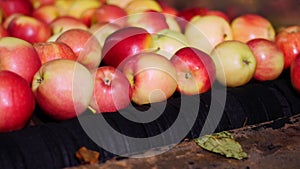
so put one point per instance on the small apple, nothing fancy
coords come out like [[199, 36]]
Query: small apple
[[53, 50], [269, 59], [63, 88], [85, 46], [250, 26], [205, 32], [137, 6], [235, 63], [288, 40], [19, 56], [124, 43], [46, 13], [29, 28], [195, 71], [112, 91], [17, 101], [295, 73], [64, 23], [152, 77]]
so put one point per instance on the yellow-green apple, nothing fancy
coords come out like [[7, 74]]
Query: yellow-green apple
[[195, 71], [17, 102], [29, 28], [112, 91], [102, 30], [46, 13], [110, 13], [205, 32], [269, 59], [78, 7], [19, 56], [85, 46], [63, 88], [295, 73], [9, 7], [250, 26], [152, 77], [53, 50], [288, 40], [137, 6], [152, 21], [235, 63], [64, 23], [124, 43], [168, 42]]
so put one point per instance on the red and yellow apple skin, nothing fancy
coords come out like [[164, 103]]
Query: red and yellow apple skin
[[269, 59], [288, 40], [46, 13], [17, 102], [195, 71], [295, 73], [124, 43], [112, 91], [19, 56], [152, 77], [250, 26], [63, 88]]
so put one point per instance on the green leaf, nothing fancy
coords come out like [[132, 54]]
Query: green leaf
[[222, 143]]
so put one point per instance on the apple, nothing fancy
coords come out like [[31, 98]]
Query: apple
[[112, 91], [17, 102], [46, 13], [9, 19], [152, 77], [124, 43], [53, 50], [102, 30], [288, 40], [63, 88], [64, 23], [9, 7], [78, 7], [85, 46], [295, 73], [110, 13], [250, 26], [29, 28], [137, 6], [19, 56], [87, 16], [269, 59], [120, 3], [168, 42], [235, 63], [205, 32], [152, 21], [195, 70]]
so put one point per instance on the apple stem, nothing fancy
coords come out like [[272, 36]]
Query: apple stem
[[92, 110], [246, 61]]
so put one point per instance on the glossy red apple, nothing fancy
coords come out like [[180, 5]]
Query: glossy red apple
[[85, 46], [288, 40], [295, 73], [29, 28], [124, 43], [152, 77], [112, 91], [195, 71], [53, 50], [269, 59], [19, 56], [63, 88], [17, 102], [9, 7]]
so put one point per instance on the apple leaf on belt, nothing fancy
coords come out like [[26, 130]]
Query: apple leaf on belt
[[222, 143]]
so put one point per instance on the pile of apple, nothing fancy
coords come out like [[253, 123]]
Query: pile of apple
[[69, 56]]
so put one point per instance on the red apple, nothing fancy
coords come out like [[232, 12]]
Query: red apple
[[235, 63], [124, 43], [63, 88], [269, 59], [19, 56], [64, 23], [250, 26], [112, 91], [195, 71], [46, 13], [29, 28], [295, 73], [53, 50], [85, 46], [10, 7], [110, 13], [17, 102], [152, 77], [288, 40]]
